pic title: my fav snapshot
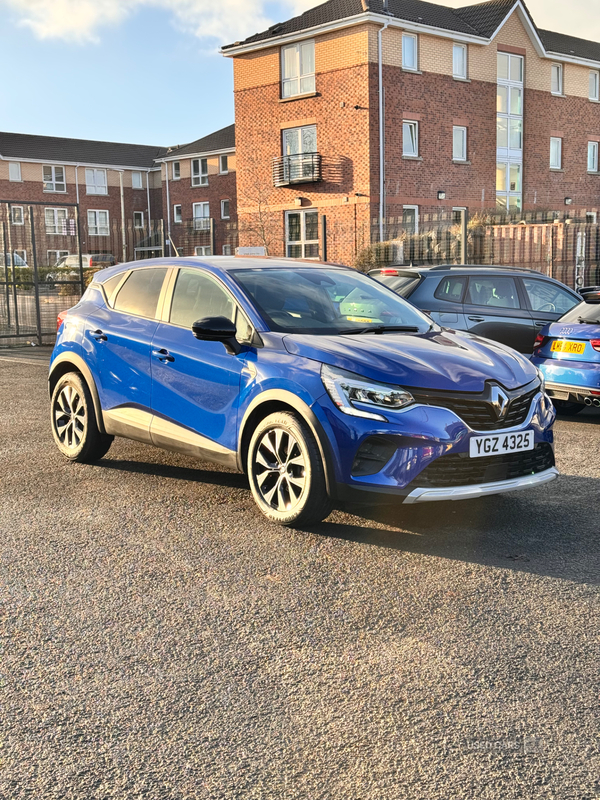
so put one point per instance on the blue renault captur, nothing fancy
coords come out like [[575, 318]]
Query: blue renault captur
[[317, 381], [567, 353]]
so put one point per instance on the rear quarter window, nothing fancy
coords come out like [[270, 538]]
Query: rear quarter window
[[451, 289], [140, 292]]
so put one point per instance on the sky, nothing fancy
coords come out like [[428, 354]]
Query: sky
[[149, 71]]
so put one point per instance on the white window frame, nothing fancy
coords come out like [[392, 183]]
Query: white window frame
[[200, 175], [12, 217], [592, 157], [300, 77], [96, 225], [412, 125], [463, 130], [553, 140], [141, 177], [416, 210], [557, 69], [176, 174], [223, 216], [138, 215], [203, 206], [227, 250], [594, 88], [58, 255], [52, 184], [93, 186], [58, 219], [591, 217], [455, 73], [226, 170], [14, 168], [303, 242], [177, 218], [203, 250], [410, 67]]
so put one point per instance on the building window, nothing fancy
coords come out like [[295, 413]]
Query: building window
[[53, 257], [16, 215], [508, 186], [54, 179], [138, 219], [591, 217], [302, 234], [14, 171], [224, 164], [201, 214], [298, 69], [459, 61], [592, 156], [98, 223], [459, 143], [203, 251], [95, 181], [176, 170], [555, 153], [594, 86], [410, 219], [200, 172], [136, 180], [224, 209], [409, 51], [56, 221], [557, 79], [509, 131], [226, 249], [177, 213], [410, 139]]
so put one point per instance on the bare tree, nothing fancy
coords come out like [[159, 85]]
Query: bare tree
[[261, 223]]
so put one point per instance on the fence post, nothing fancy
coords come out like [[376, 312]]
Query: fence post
[[464, 218], [323, 237], [11, 260], [4, 248], [78, 224], [36, 285]]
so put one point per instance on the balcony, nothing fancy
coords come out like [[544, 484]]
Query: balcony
[[299, 168], [202, 223]]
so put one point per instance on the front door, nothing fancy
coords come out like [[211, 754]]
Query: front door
[[196, 384]]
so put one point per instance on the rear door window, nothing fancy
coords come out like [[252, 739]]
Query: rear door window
[[140, 292], [547, 297], [451, 289], [495, 291]]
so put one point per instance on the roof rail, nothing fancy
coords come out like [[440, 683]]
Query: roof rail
[[446, 267]]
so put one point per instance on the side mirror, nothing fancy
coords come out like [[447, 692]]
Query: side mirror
[[217, 329]]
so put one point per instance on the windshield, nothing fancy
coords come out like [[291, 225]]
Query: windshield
[[326, 301], [584, 311]]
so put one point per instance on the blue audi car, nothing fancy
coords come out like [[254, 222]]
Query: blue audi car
[[567, 352], [317, 381]]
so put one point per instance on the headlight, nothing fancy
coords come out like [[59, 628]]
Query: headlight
[[347, 388]]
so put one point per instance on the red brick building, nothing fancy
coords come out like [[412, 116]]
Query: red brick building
[[199, 195], [375, 113]]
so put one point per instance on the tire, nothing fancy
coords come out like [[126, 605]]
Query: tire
[[286, 472], [566, 408], [73, 421]]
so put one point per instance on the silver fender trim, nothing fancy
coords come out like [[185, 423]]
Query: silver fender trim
[[481, 489]]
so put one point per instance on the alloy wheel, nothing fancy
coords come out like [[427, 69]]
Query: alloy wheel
[[69, 417], [280, 469]]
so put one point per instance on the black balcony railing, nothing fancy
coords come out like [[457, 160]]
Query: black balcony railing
[[299, 168]]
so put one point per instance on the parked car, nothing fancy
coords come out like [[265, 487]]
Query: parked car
[[317, 381], [568, 354], [100, 260], [506, 304]]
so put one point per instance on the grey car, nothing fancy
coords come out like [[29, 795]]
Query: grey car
[[506, 304]]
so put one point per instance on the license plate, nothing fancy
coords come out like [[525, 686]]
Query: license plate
[[562, 346], [499, 444]]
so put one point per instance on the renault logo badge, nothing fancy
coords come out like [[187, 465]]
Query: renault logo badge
[[499, 401]]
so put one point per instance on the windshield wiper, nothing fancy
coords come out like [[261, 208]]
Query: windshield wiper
[[381, 329], [587, 321]]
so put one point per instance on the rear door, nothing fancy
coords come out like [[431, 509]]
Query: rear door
[[547, 301], [446, 307], [494, 309]]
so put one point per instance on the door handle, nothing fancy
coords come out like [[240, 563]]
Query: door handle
[[163, 355], [99, 336], [477, 319], [540, 324]]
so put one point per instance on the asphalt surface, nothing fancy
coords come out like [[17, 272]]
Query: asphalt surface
[[161, 640]]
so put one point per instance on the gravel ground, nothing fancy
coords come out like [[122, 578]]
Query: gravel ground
[[161, 640]]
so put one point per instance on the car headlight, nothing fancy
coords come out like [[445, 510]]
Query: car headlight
[[346, 388]]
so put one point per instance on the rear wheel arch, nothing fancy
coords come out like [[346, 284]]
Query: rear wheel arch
[[280, 400], [71, 362]]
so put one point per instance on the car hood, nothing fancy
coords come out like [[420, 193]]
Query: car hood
[[441, 359]]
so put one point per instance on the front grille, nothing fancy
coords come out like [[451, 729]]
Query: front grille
[[479, 413], [461, 470]]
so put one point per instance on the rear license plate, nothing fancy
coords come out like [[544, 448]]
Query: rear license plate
[[499, 444], [562, 346]]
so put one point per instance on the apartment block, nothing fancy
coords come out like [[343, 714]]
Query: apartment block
[[359, 113]]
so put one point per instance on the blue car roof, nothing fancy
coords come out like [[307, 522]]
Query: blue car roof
[[214, 263]]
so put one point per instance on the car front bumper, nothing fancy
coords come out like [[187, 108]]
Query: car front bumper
[[427, 495]]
